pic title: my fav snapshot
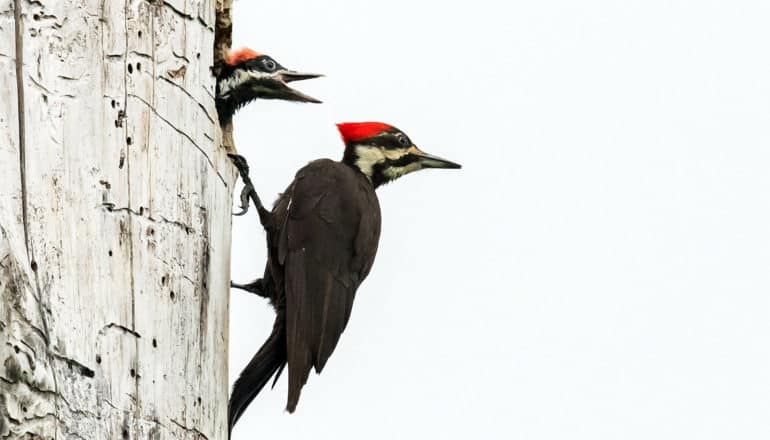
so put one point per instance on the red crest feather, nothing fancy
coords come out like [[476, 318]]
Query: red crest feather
[[237, 56], [355, 131]]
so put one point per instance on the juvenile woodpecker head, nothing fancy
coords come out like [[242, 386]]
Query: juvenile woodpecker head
[[383, 152], [247, 75]]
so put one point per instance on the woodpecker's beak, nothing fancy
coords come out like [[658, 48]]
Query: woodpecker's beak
[[283, 77], [290, 75], [430, 161]]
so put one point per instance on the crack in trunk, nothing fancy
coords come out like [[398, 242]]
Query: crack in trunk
[[19, 34]]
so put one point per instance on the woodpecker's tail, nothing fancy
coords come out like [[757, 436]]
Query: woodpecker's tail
[[269, 361]]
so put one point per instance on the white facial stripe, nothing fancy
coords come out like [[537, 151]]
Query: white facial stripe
[[368, 157], [239, 77]]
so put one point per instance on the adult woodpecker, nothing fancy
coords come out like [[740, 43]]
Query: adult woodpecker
[[322, 236], [247, 75]]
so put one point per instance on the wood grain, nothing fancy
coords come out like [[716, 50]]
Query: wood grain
[[114, 302]]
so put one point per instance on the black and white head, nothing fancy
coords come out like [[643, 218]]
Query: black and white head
[[247, 75], [384, 153]]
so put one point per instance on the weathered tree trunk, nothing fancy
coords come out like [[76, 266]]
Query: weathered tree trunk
[[115, 203]]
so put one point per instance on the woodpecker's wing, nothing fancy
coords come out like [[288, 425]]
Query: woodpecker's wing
[[328, 243]]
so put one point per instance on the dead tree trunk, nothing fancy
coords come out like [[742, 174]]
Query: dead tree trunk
[[115, 203]]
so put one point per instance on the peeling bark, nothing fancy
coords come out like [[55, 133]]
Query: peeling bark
[[114, 220]]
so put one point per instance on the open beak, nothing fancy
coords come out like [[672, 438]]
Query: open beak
[[286, 76], [430, 161]]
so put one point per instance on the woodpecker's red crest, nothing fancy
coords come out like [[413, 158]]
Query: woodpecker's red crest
[[356, 131], [237, 56]]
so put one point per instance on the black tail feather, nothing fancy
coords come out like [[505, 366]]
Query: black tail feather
[[269, 361]]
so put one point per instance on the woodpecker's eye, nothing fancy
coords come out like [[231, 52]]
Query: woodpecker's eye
[[403, 140], [268, 64]]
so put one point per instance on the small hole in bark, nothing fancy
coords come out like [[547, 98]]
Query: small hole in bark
[[109, 252], [154, 343], [112, 103], [199, 400], [16, 348], [125, 433], [130, 68], [23, 409], [36, 17], [98, 359], [140, 34], [204, 284], [198, 55], [172, 294], [34, 265], [133, 373], [141, 210], [164, 279], [128, 140], [138, 67]]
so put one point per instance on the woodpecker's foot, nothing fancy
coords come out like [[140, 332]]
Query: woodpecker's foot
[[245, 197], [254, 287], [248, 191]]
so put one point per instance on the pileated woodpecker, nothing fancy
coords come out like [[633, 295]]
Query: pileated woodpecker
[[322, 236], [247, 75]]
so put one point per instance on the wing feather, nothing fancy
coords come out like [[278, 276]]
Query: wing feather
[[328, 244]]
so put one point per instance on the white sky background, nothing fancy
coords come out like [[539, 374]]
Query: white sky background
[[600, 267]]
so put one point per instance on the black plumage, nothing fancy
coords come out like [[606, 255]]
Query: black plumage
[[322, 237]]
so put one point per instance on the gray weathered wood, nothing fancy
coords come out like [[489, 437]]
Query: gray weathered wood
[[115, 206]]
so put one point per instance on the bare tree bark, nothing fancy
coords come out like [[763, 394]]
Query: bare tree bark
[[115, 203]]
